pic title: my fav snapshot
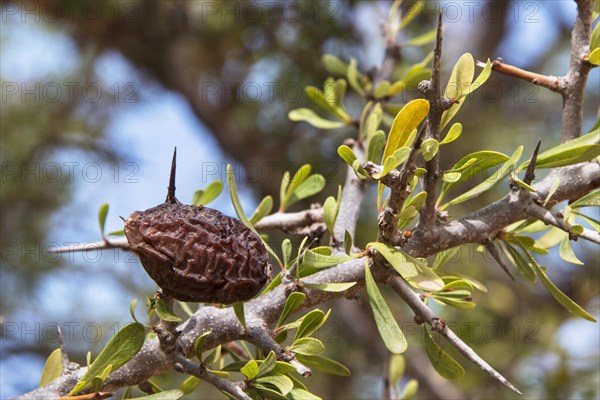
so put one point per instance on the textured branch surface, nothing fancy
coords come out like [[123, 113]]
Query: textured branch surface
[[576, 78]]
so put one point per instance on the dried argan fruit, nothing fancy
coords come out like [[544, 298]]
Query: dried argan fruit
[[198, 253]]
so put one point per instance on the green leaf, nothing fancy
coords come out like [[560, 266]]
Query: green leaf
[[132, 306], [203, 197], [347, 242], [382, 89], [461, 303], [453, 133], [334, 65], [397, 368], [563, 299], [395, 88], [291, 304], [52, 368], [594, 57], [429, 148], [443, 257], [591, 199], [268, 365], [166, 395], [102, 213], [566, 252], [445, 365], [329, 213], [264, 208], [410, 390], [416, 74], [318, 261], [414, 271], [331, 287], [286, 251], [331, 98], [595, 38], [461, 77], [594, 223], [164, 312], [470, 166], [308, 115], [310, 323], [490, 182], [323, 364], [311, 186], [370, 120], [352, 75], [250, 370], [414, 10], [301, 394], [421, 40], [281, 382], [238, 309], [553, 189], [199, 344], [375, 146], [461, 84], [347, 154], [235, 200], [189, 385], [307, 345], [521, 261], [408, 119], [584, 148], [121, 348], [386, 324]]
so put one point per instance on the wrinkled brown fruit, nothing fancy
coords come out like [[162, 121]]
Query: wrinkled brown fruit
[[198, 253]]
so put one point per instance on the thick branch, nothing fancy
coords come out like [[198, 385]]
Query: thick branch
[[487, 222], [352, 198], [576, 78]]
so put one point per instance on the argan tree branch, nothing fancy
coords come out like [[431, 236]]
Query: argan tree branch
[[576, 79], [550, 218], [486, 223], [424, 314], [553, 83], [234, 389], [432, 92]]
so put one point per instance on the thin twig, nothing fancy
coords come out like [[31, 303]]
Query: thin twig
[[260, 336], [225, 385], [550, 218], [553, 83], [491, 248], [424, 314]]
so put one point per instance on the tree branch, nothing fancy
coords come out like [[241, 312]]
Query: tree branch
[[575, 80], [236, 390], [550, 218], [432, 91], [553, 83], [424, 314], [486, 223]]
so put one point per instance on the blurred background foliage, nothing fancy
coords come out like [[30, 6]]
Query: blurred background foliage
[[234, 70]]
